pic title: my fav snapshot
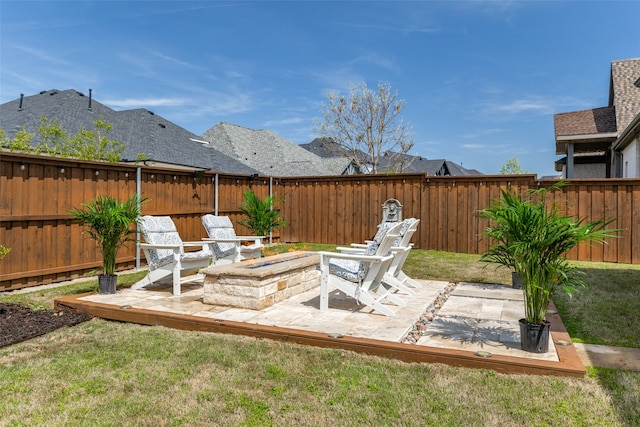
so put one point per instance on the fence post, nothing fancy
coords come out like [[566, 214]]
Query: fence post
[[215, 195], [271, 207], [139, 193]]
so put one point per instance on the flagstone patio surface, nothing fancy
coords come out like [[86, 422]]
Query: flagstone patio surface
[[475, 317]]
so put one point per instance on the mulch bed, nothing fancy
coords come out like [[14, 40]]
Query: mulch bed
[[19, 323]]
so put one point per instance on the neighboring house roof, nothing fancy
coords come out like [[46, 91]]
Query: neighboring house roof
[[331, 152], [140, 130], [624, 92], [327, 148], [419, 164], [625, 82], [439, 167], [586, 122], [268, 152], [596, 129], [593, 129], [324, 147], [336, 165], [457, 170]]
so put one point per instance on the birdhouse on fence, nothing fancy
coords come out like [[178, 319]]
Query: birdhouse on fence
[[391, 211]]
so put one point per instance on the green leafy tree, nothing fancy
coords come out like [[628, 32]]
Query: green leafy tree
[[95, 144], [55, 141], [368, 125], [4, 251], [262, 215], [512, 167], [21, 142]]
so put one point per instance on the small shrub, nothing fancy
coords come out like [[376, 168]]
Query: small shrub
[[262, 215]]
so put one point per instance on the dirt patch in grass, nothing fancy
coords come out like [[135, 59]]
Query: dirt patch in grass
[[20, 323]]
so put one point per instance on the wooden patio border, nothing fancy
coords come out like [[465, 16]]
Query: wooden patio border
[[569, 365]]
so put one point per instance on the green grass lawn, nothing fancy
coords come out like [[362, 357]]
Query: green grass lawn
[[110, 373]]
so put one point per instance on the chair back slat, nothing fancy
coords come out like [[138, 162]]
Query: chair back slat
[[220, 227], [160, 230]]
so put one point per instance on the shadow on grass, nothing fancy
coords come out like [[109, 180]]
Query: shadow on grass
[[606, 311], [623, 388]]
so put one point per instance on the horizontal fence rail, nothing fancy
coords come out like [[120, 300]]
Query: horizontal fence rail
[[36, 193]]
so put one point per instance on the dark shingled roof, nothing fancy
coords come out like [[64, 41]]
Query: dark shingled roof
[[327, 148], [586, 122], [140, 130], [324, 147]]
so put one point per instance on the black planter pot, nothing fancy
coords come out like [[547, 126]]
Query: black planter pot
[[534, 338], [516, 281], [107, 284]]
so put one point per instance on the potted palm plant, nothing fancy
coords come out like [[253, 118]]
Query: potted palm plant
[[109, 223], [261, 215], [532, 238]]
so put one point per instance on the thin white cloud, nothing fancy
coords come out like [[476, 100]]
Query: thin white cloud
[[400, 29], [200, 6], [176, 61], [481, 133], [213, 106], [529, 105], [337, 78], [234, 74], [535, 105], [143, 103], [41, 55], [374, 58], [476, 146], [31, 25], [138, 65], [505, 10], [289, 121]]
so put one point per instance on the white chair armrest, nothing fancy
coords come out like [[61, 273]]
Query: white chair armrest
[[164, 246], [354, 257], [257, 240], [195, 243], [346, 250]]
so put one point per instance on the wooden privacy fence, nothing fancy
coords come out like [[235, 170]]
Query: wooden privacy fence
[[46, 245]]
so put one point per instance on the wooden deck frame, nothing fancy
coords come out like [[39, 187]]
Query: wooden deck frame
[[569, 362]]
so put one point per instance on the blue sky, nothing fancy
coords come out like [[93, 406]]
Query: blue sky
[[481, 79]]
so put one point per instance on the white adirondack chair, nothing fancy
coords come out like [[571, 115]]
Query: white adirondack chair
[[402, 245], [401, 250], [228, 247], [164, 251], [360, 275]]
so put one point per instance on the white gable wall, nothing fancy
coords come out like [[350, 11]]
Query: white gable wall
[[631, 159]]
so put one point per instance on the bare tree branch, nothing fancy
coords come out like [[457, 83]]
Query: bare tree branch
[[368, 125]]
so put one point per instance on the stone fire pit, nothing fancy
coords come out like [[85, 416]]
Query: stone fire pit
[[259, 283]]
